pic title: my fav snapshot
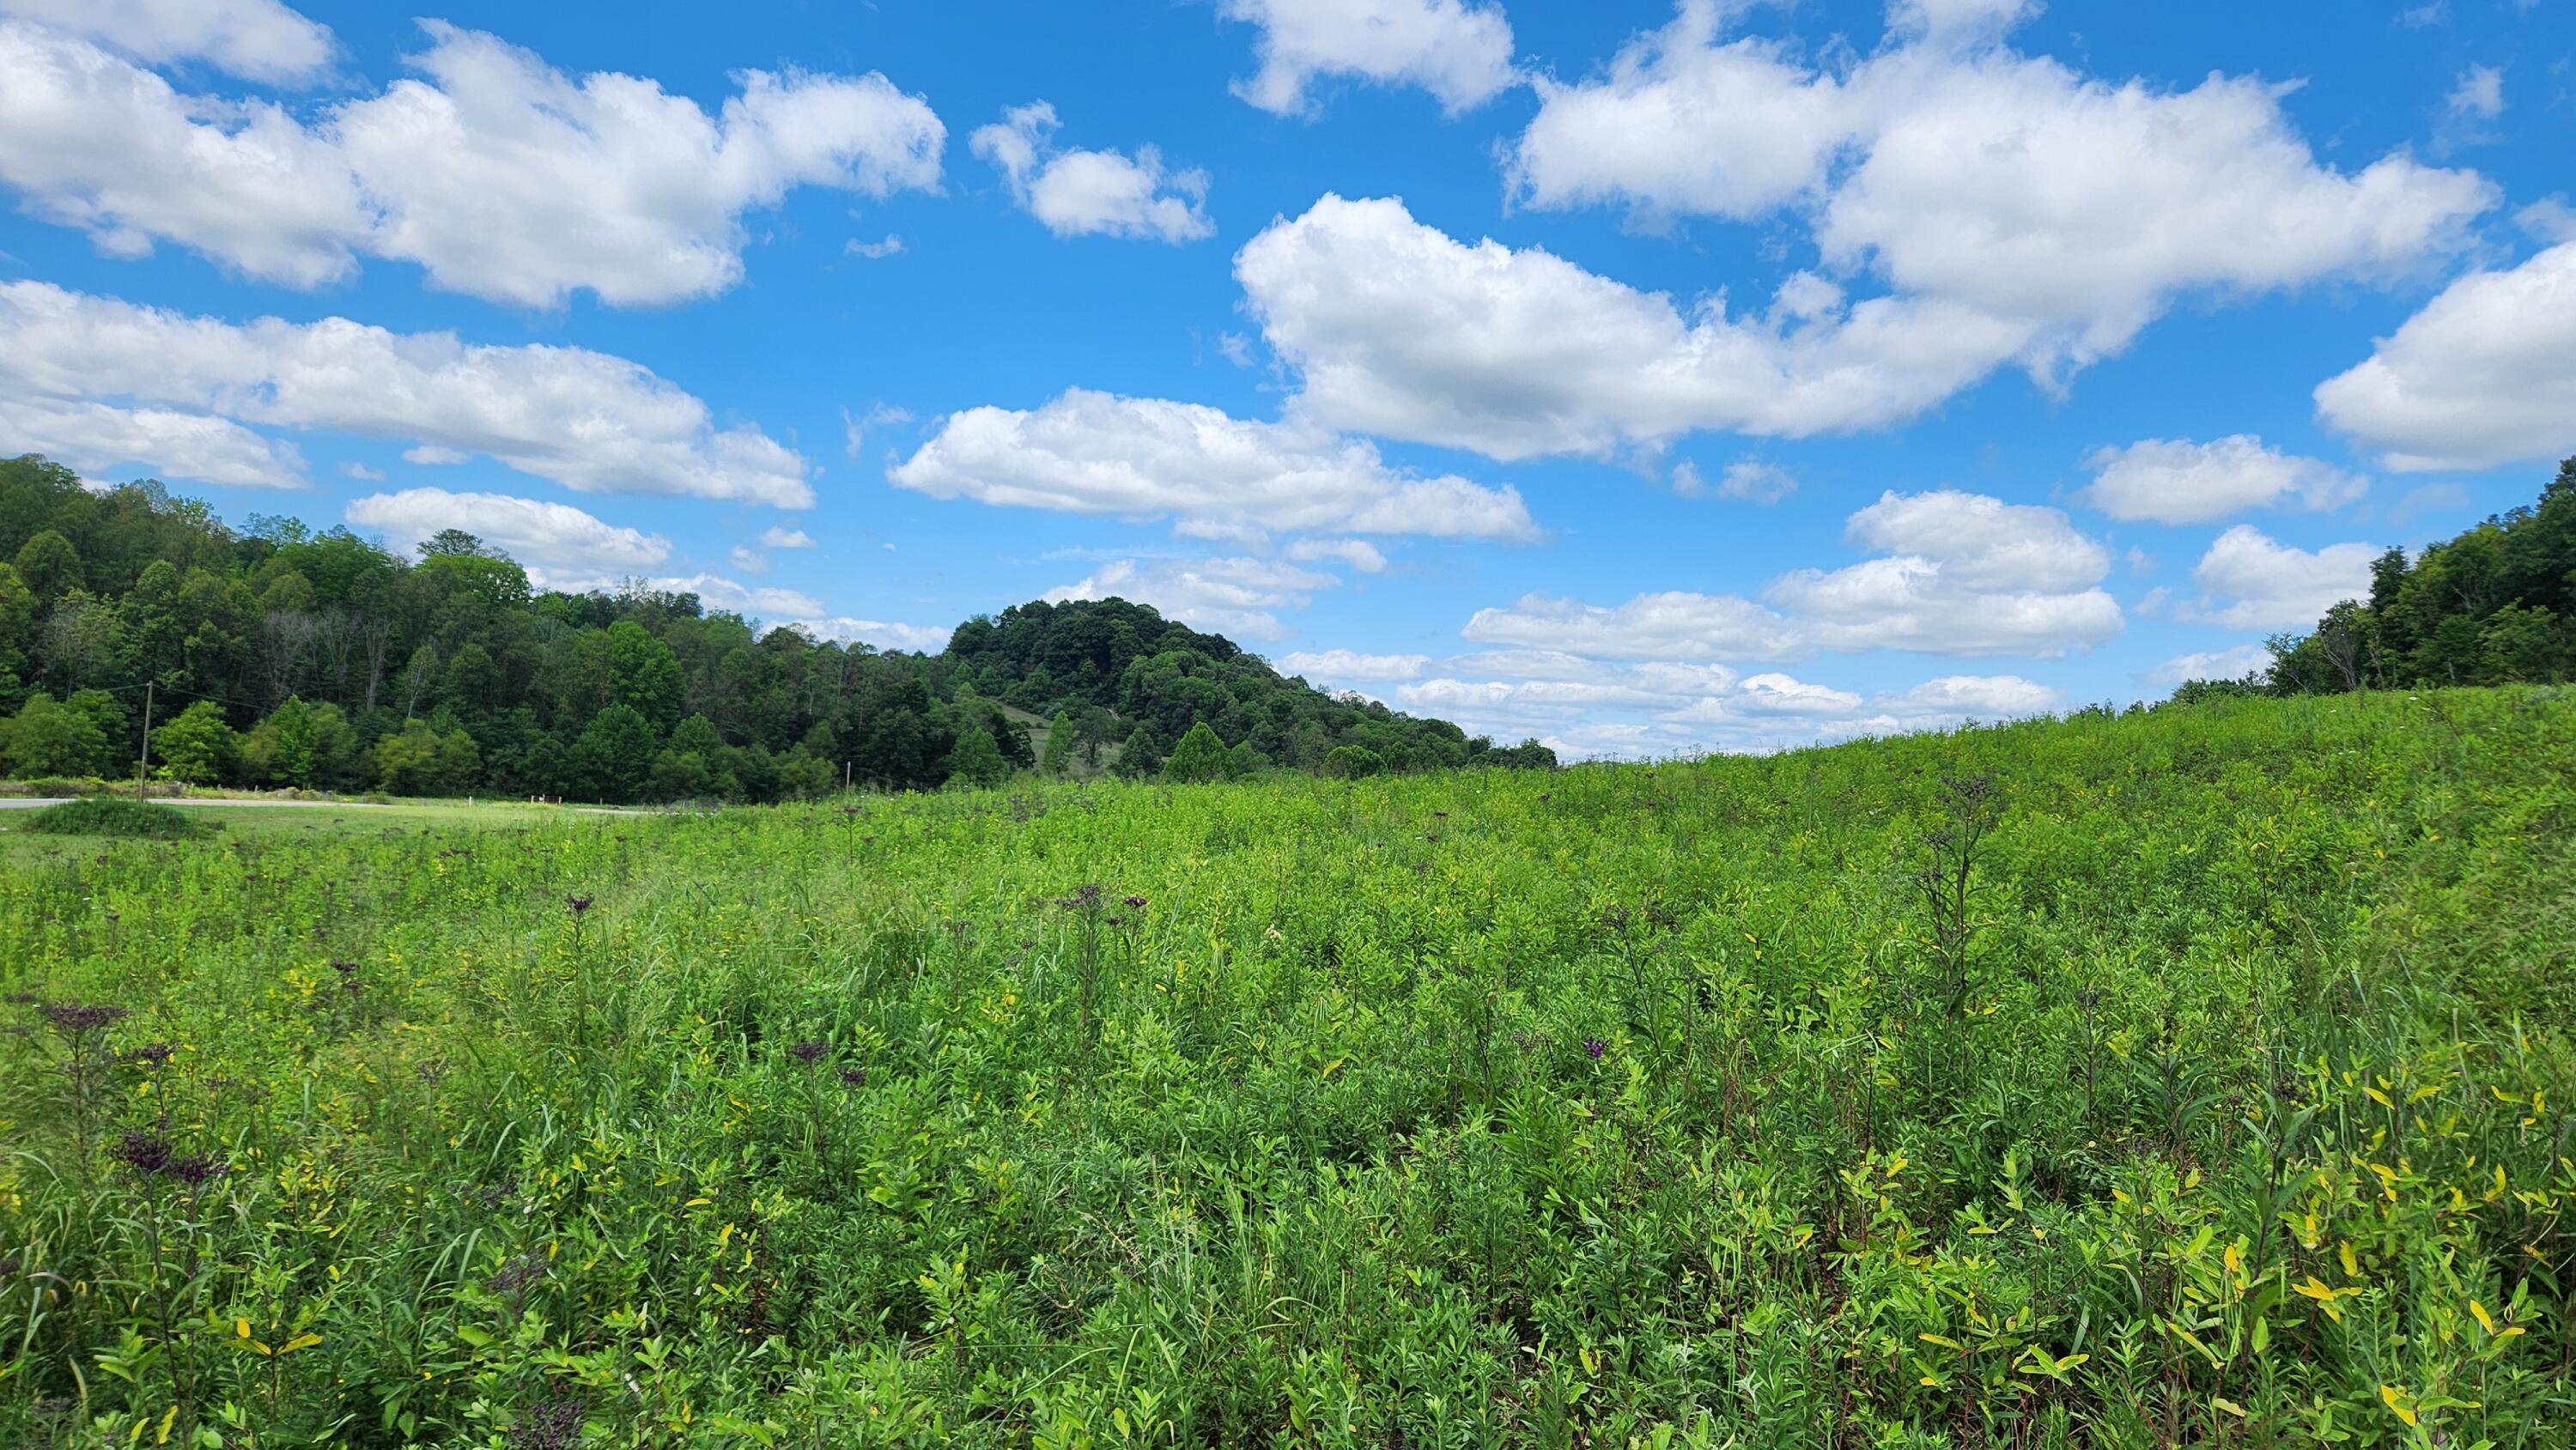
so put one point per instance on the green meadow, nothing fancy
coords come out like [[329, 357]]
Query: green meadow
[[2198, 1076]]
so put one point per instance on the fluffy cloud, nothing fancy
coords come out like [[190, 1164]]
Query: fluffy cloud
[[2485, 374], [1402, 331], [1342, 664], [592, 422], [259, 40], [1359, 554], [2171, 481], [430, 456], [718, 592], [1235, 596], [2252, 582], [95, 438], [2015, 210], [499, 175], [1963, 575], [917, 638], [779, 536], [1577, 703], [556, 542], [1669, 623], [2224, 664], [2479, 95], [1458, 51], [1079, 193], [1098, 453], [94, 142]]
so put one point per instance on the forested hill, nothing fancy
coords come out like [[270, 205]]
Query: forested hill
[[281, 656], [2495, 605]]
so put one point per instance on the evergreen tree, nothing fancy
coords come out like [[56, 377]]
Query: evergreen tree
[[1140, 757], [977, 761], [1058, 760], [1200, 757]]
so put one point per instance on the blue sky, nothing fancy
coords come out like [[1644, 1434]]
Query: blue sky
[[1646, 379]]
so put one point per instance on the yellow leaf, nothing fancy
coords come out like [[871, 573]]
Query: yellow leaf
[[2343, 1251], [1334, 1064], [2234, 1261], [1944, 1343], [301, 1341], [167, 1421], [2230, 1406], [2381, 1098], [241, 1328], [2390, 1396], [2484, 1317]]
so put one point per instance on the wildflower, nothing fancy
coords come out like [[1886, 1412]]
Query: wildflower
[[151, 1054], [1086, 898], [1133, 903], [579, 905], [145, 1153], [194, 1170], [76, 1020], [855, 1076], [548, 1425], [1594, 1047], [808, 1051]]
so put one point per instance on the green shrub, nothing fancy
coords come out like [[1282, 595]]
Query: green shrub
[[117, 816]]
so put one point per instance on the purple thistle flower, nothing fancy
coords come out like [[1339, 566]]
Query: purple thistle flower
[[1134, 903], [855, 1076], [151, 1054], [1594, 1047], [579, 904], [808, 1051]]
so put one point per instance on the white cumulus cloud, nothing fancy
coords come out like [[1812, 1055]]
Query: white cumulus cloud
[[1079, 193], [2485, 374], [555, 542], [1098, 453], [2175, 481], [1232, 596], [1401, 330], [1342, 664], [1458, 51], [1962, 574], [587, 420], [500, 176], [258, 40], [2250, 581]]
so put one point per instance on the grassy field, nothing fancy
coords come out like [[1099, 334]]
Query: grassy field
[[2197, 1077]]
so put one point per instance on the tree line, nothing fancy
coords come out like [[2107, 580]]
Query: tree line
[[2495, 605], [276, 655]]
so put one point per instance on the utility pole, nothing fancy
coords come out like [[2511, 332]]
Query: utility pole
[[143, 762]]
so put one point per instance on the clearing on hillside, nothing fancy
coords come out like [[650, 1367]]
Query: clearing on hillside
[[2200, 1076]]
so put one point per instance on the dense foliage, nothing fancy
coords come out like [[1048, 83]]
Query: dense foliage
[[2494, 606], [116, 816], [280, 656], [2198, 1076]]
